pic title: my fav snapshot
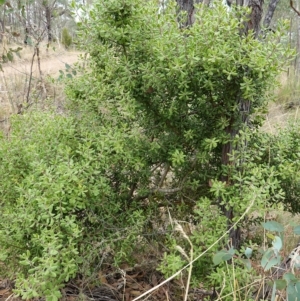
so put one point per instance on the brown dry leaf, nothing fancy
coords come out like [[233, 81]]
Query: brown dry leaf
[[5, 292], [146, 286], [133, 276], [135, 286], [154, 280], [127, 297], [135, 293], [102, 278]]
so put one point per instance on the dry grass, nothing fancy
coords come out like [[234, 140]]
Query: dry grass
[[278, 116], [289, 221], [286, 105], [22, 84]]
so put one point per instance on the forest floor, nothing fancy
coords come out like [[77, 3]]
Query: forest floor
[[21, 82]]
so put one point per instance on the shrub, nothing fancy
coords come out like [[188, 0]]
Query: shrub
[[58, 202], [66, 38]]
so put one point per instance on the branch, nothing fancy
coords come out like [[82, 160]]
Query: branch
[[163, 177], [152, 191], [166, 190], [294, 9]]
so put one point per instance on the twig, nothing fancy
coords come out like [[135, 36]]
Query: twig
[[40, 70], [294, 9], [30, 76], [167, 168]]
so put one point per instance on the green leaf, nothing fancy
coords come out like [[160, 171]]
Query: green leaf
[[297, 287], [218, 257], [277, 243], [247, 263], [289, 277], [248, 252], [223, 255], [3, 256], [280, 284], [273, 226], [53, 252], [2, 2], [291, 292], [270, 259]]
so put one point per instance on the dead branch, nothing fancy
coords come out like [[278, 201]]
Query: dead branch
[[293, 7]]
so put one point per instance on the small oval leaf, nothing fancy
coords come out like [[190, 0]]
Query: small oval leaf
[[270, 259], [277, 243], [273, 226], [280, 284], [289, 277], [218, 257], [247, 263], [248, 252]]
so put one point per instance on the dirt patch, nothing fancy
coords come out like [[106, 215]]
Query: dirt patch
[[23, 73], [51, 63]]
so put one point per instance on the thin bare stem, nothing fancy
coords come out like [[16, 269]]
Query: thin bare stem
[[30, 76]]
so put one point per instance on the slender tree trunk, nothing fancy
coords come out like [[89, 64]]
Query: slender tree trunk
[[297, 59], [244, 106], [244, 109], [270, 12], [48, 21], [187, 6]]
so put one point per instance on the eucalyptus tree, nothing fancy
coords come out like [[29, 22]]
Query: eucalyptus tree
[[33, 20], [270, 13]]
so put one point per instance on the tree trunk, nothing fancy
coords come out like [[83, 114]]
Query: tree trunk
[[187, 6], [269, 15], [48, 21], [297, 59], [244, 108]]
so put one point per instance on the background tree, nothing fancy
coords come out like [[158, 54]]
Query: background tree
[[24, 21], [270, 12]]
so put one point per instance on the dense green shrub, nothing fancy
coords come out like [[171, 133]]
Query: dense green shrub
[[58, 201], [66, 38], [281, 151], [182, 90]]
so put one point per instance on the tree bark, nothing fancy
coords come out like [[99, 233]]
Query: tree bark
[[187, 6], [244, 106], [269, 15], [244, 110], [48, 21]]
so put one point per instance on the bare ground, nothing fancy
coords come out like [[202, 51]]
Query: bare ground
[[24, 71]]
